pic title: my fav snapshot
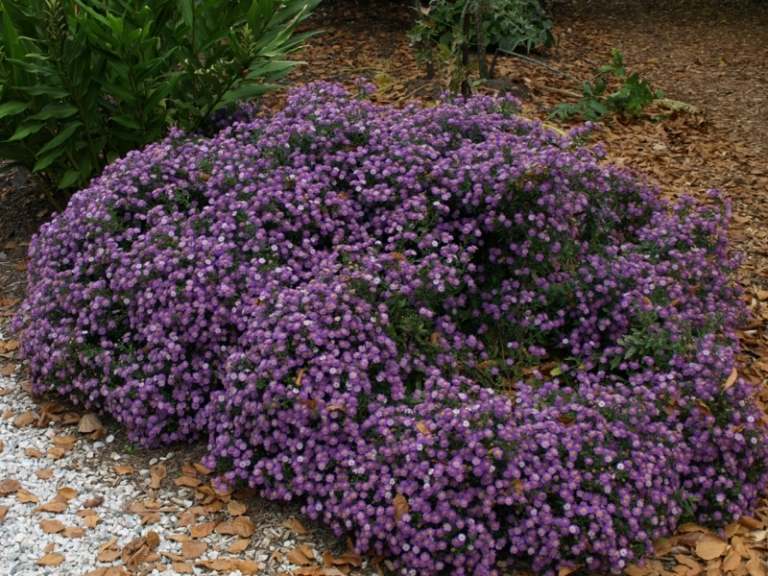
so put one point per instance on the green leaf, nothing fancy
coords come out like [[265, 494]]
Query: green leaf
[[25, 130], [13, 107], [69, 178], [61, 137], [47, 160], [55, 111]]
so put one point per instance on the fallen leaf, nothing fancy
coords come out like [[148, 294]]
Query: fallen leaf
[[422, 427], [755, 566], [2, 446], [44, 473], [218, 565], [94, 502], [108, 552], [183, 568], [732, 561], [295, 526], [52, 559], [65, 494], [201, 469], [51, 526], [193, 549], [24, 419], [238, 545], [187, 481], [240, 526], [236, 508], [710, 547], [9, 486], [750, 522], [33, 452], [301, 556], [89, 423], [156, 475], [26, 497], [3, 512], [247, 566], [74, 532], [66, 442], [54, 506], [123, 469], [90, 518], [56, 453], [202, 530], [731, 380], [401, 506]]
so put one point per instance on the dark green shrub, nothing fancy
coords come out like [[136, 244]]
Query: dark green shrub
[[84, 81]]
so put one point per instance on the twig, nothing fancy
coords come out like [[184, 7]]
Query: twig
[[538, 62]]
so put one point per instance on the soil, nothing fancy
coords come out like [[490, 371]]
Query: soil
[[708, 53]]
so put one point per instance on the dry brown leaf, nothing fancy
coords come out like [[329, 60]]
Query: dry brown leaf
[[750, 523], [24, 419], [94, 502], [710, 547], [236, 508], [89, 423], [302, 555], [123, 469], [731, 380], [201, 469], [202, 530], [238, 545], [401, 506], [65, 442], [74, 532], [218, 565], [52, 559], [65, 494], [247, 566], [90, 518], [26, 497], [183, 567], [3, 512], [9, 486], [56, 453], [193, 549], [44, 473], [240, 526], [51, 526], [108, 552], [54, 507], [755, 566], [732, 561], [187, 481], [33, 452], [156, 475], [295, 526]]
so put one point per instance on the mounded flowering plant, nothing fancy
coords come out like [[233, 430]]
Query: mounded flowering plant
[[449, 332]]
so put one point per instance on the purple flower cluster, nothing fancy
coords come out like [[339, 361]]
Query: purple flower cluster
[[448, 331]]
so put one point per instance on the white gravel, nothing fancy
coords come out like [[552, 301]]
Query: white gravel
[[89, 469]]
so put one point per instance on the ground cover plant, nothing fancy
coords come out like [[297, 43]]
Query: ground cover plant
[[450, 332]]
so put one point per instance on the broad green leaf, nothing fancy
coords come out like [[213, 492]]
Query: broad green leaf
[[11, 108], [47, 160], [61, 137], [69, 178], [25, 130], [55, 111]]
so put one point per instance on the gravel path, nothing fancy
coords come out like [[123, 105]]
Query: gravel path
[[72, 505]]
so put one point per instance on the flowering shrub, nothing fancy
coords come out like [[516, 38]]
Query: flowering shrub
[[448, 331]]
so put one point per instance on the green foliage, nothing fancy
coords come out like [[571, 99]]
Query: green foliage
[[447, 31], [84, 81], [629, 100]]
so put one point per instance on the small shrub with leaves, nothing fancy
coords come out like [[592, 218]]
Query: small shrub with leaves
[[82, 82], [629, 100], [447, 31], [449, 332]]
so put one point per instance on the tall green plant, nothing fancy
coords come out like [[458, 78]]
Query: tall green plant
[[84, 81]]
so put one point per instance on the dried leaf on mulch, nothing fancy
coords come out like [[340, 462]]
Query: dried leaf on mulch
[[202, 530], [193, 549], [52, 559], [52, 526], [238, 545], [295, 526], [156, 475], [240, 526], [26, 497], [44, 473], [3, 512], [89, 423], [9, 486]]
